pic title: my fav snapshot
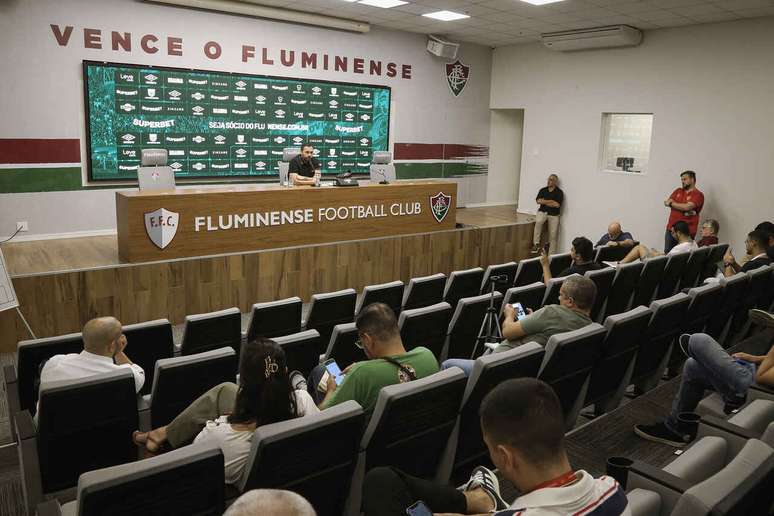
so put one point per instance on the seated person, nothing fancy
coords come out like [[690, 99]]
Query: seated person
[[523, 427], [616, 236], [576, 299], [103, 352], [768, 227], [710, 367], [304, 169], [228, 414], [756, 246], [276, 502], [680, 232], [582, 253], [389, 363], [709, 232]]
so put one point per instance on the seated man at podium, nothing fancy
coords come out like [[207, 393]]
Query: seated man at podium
[[304, 168]]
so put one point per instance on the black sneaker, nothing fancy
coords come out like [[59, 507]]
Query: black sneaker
[[660, 433], [486, 480], [761, 317], [732, 405], [682, 341]]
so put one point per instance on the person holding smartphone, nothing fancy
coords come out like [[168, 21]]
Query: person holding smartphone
[[523, 428], [389, 363], [576, 299]]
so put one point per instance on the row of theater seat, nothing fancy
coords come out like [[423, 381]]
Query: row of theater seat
[[428, 428], [592, 365], [728, 470], [643, 362], [449, 333]]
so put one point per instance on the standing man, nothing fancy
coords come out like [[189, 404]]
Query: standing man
[[550, 199], [304, 169], [685, 204]]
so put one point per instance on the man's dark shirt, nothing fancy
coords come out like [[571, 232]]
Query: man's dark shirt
[[303, 168], [557, 195], [762, 261], [582, 268], [623, 235]]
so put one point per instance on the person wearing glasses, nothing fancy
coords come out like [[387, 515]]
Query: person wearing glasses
[[709, 232], [576, 299], [388, 363], [756, 246], [103, 352]]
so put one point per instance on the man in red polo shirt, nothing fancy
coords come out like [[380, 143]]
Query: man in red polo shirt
[[685, 204]]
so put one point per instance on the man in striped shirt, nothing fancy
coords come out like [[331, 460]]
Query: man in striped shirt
[[523, 428]]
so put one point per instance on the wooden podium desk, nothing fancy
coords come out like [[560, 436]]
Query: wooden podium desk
[[178, 223]]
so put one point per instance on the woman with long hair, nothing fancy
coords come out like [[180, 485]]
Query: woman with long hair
[[228, 414]]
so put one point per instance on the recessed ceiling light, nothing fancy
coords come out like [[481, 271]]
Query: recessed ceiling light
[[446, 15], [385, 4], [541, 2]]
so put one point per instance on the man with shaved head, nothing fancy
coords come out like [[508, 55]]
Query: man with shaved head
[[270, 501], [103, 352], [616, 236]]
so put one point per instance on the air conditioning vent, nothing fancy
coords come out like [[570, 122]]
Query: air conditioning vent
[[595, 37]]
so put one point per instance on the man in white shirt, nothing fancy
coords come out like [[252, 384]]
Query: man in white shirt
[[103, 352], [523, 428], [681, 233]]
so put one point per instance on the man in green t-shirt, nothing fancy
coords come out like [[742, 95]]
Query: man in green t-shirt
[[576, 298], [389, 363]]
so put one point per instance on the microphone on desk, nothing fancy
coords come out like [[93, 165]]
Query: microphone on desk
[[383, 181]]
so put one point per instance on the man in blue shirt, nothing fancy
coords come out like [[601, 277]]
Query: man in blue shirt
[[616, 236]]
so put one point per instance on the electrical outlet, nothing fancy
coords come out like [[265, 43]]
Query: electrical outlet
[[22, 226]]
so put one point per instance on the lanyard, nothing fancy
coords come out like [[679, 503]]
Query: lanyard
[[561, 480]]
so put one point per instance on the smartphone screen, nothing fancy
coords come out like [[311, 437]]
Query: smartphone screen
[[520, 312], [333, 369], [419, 509]]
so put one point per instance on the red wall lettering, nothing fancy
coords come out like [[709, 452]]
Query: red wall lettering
[[265, 57], [145, 43], [212, 50], [248, 52], [121, 40], [357, 65], [92, 38], [62, 38], [174, 46], [308, 60], [406, 71]]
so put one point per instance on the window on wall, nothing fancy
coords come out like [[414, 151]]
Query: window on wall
[[626, 142]]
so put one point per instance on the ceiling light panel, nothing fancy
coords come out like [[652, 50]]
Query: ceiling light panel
[[541, 2], [446, 15], [384, 4]]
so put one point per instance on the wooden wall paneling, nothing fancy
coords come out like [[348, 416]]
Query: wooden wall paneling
[[61, 303]]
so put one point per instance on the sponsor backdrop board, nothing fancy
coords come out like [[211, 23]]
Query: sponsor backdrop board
[[217, 124], [185, 222]]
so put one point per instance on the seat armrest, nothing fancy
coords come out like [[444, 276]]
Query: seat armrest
[[29, 463], [724, 426], [643, 502], [10, 374], [49, 508], [659, 477], [25, 426]]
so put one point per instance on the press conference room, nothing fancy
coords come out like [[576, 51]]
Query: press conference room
[[386, 257]]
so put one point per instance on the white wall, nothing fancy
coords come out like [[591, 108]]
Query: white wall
[[710, 88], [424, 109], [505, 144]]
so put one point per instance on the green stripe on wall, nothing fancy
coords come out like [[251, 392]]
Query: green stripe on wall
[[437, 170], [17, 180]]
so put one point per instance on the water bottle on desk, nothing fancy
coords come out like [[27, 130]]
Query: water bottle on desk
[[317, 180]]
